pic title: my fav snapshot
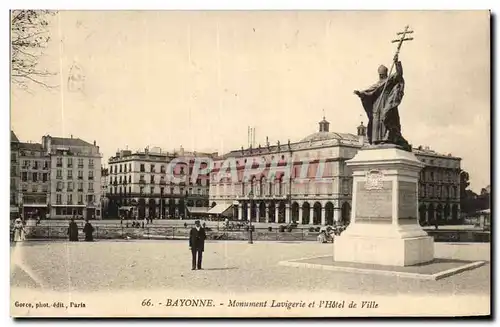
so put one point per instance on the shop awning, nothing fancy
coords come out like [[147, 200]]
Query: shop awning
[[199, 210], [34, 205], [220, 209], [126, 208]]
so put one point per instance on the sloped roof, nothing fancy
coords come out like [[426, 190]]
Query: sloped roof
[[13, 137], [69, 141], [31, 146], [321, 136]]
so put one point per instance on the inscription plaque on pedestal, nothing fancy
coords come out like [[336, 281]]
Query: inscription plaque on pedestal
[[407, 206], [374, 205]]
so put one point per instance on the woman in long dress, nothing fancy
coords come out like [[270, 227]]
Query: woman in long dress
[[73, 231], [88, 230], [19, 232]]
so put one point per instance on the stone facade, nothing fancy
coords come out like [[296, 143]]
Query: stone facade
[[308, 182], [139, 184], [15, 187], [34, 167], [75, 183]]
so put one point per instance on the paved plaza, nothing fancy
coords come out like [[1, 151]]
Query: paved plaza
[[230, 266]]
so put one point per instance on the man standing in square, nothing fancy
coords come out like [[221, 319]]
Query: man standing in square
[[197, 238]]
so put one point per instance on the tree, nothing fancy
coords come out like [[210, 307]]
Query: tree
[[29, 38], [467, 197]]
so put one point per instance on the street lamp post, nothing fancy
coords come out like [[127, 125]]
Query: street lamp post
[[161, 203], [250, 235]]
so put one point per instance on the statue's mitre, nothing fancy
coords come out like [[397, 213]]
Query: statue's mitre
[[382, 70]]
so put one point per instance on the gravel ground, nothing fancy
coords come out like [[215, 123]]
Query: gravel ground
[[228, 267]]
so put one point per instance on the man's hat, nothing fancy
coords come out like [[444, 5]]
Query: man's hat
[[382, 70], [196, 221]]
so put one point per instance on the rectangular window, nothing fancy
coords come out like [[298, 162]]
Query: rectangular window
[[152, 189], [90, 198], [59, 162], [91, 163], [35, 166], [91, 187], [35, 177], [58, 198], [70, 162], [80, 198], [44, 177], [25, 176], [152, 168], [141, 190], [70, 186], [80, 187], [80, 174], [142, 168], [70, 198], [91, 174], [152, 180]]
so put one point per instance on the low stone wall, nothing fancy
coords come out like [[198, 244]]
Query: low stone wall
[[164, 232], [460, 236]]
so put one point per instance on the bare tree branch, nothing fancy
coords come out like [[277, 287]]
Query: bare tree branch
[[29, 38]]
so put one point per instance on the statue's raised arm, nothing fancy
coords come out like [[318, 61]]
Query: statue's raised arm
[[381, 100]]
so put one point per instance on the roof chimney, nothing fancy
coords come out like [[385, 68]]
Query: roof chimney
[[94, 142], [71, 135]]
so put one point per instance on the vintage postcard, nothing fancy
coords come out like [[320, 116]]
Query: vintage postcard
[[250, 163]]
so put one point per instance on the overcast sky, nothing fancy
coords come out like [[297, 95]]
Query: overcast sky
[[198, 79]]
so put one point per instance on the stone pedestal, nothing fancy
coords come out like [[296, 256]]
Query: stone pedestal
[[384, 226]]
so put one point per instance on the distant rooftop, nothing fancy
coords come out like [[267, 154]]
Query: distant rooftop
[[67, 141], [13, 137], [30, 146]]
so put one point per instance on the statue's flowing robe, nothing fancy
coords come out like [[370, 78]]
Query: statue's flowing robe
[[382, 109]]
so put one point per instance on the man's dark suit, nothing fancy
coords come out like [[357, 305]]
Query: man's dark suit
[[197, 245]]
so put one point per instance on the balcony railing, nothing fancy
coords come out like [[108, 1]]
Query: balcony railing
[[80, 177], [91, 177], [80, 165], [59, 177], [80, 190], [59, 165]]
